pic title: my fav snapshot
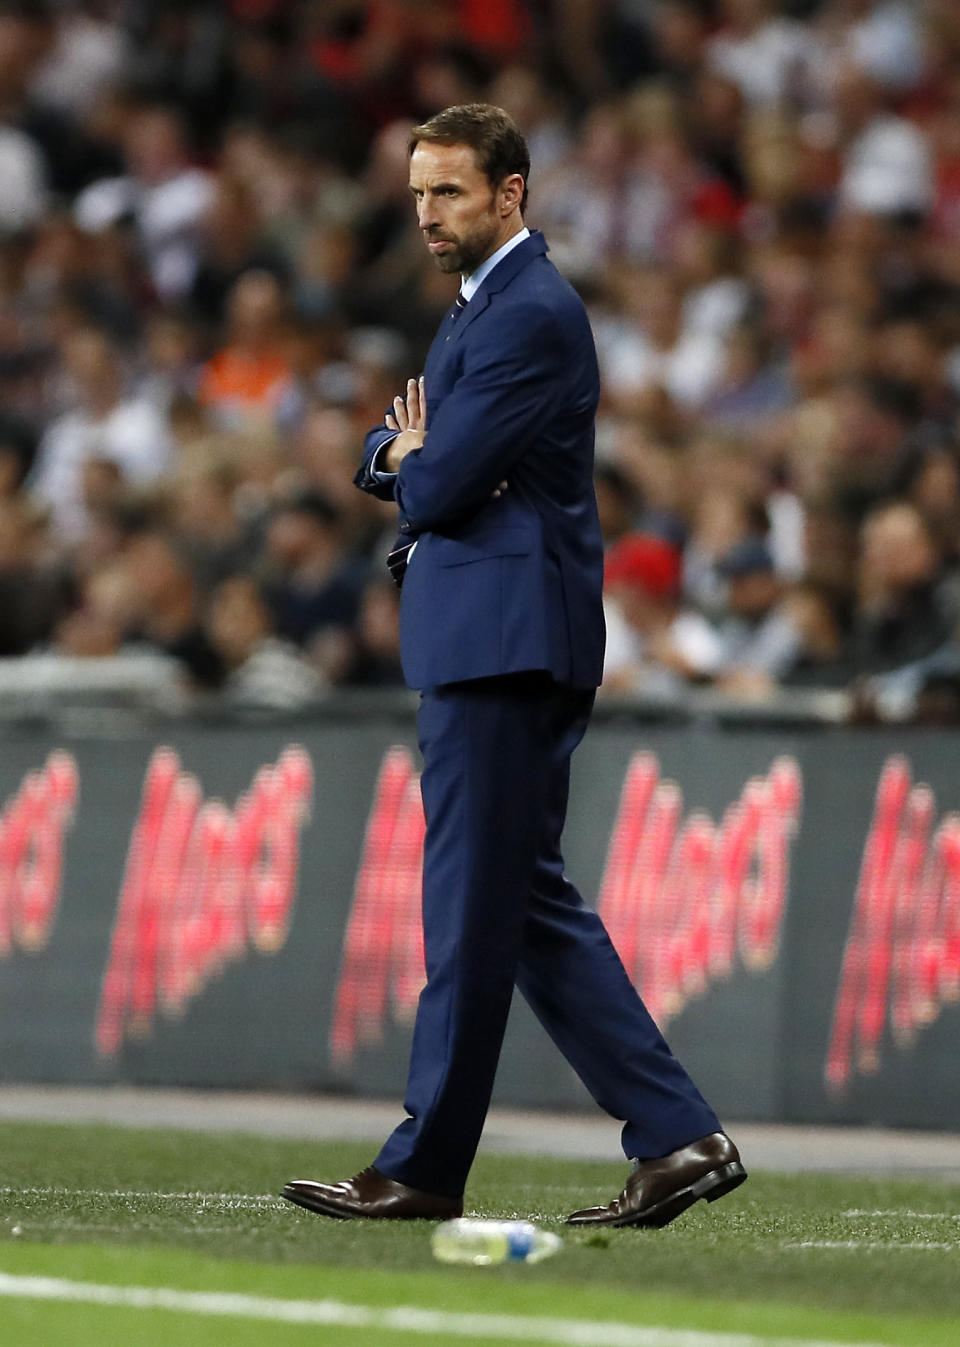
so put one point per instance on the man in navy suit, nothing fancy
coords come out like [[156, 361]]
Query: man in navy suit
[[489, 457]]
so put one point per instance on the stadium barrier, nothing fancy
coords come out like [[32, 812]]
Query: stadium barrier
[[233, 901]]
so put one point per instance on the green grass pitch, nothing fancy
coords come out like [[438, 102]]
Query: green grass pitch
[[806, 1258]]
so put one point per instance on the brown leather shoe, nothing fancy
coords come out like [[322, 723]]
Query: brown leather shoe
[[371, 1194], [659, 1190]]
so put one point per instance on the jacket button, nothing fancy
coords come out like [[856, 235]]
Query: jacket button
[[404, 527]]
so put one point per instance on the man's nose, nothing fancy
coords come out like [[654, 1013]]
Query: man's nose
[[427, 214]]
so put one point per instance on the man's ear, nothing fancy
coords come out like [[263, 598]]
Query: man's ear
[[510, 193]]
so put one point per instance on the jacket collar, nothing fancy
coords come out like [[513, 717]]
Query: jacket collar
[[515, 260], [501, 276]]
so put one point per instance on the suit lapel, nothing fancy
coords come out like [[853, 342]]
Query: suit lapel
[[500, 277], [450, 332], [440, 344], [473, 310]]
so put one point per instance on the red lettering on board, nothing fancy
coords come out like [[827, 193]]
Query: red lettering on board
[[383, 946], [202, 884], [901, 962], [679, 899], [32, 827]]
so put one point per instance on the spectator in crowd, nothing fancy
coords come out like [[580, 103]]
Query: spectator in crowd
[[585, 202], [618, 501], [106, 429], [887, 168], [88, 51], [708, 263], [247, 378], [166, 608], [24, 160], [17, 448], [309, 583], [162, 193], [169, 369], [678, 33], [824, 658], [326, 448], [374, 660], [721, 516], [259, 668], [230, 242], [770, 57], [906, 610], [216, 540], [655, 644], [33, 593], [760, 641], [654, 347], [752, 385], [531, 100], [103, 614], [931, 483]]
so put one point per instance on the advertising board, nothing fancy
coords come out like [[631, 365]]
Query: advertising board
[[232, 904]]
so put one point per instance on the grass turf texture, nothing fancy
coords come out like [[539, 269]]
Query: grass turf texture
[[803, 1256]]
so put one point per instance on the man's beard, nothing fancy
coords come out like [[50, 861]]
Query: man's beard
[[449, 262], [466, 254]]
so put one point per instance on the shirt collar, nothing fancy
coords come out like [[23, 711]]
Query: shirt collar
[[471, 284]]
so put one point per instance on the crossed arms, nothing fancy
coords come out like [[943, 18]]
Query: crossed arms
[[512, 384]]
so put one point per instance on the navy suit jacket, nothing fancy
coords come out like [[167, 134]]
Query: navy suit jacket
[[500, 586]]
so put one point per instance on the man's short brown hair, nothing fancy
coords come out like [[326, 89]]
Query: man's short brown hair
[[490, 132]]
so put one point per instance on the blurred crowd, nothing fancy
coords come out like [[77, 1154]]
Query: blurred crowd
[[211, 286]]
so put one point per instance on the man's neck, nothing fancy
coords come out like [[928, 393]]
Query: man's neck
[[501, 242], [470, 284]]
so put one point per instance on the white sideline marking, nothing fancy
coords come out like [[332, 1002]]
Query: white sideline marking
[[35, 1227], [403, 1319], [890, 1245], [233, 1199], [900, 1214]]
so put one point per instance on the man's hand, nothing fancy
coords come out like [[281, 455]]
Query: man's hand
[[409, 416]]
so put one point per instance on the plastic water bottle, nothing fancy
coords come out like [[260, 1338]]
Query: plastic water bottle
[[483, 1243]]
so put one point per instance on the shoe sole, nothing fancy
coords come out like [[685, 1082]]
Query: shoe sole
[[712, 1186], [345, 1214], [318, 1208]]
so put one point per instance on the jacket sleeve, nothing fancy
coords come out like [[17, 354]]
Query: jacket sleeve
[[366, 478], [508, 389]]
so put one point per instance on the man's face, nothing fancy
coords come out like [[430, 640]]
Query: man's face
[[460, 215], [751, 596]]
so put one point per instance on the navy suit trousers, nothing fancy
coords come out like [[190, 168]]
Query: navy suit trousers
[[498, 912]]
